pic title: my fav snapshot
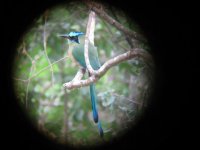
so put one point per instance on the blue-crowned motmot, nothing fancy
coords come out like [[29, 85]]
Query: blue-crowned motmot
[[76, 50]]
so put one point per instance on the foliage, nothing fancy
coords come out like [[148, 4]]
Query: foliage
[[66, 115]]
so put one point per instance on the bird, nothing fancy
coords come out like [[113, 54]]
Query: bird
[[76, 51]]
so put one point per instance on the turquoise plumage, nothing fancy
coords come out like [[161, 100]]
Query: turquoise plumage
[[78, 55]]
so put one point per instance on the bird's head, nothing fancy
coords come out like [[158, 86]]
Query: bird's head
[[73, 37]]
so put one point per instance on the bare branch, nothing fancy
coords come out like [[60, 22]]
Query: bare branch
[[89, 36], [45, 50], [98, 8], [118, 59], [91, 27], [80, 83], [79, 74], [137, 52]]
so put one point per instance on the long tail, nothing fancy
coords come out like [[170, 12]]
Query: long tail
[[94, 109], [93, 101]]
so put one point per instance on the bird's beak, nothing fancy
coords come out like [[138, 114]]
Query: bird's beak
[[63, 35]]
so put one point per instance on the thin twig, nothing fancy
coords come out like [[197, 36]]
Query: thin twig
[[31, 70], [21, 79], [45, 68], [51, 65], [26, 100], [45, 49], [131, 100], [24, 51]]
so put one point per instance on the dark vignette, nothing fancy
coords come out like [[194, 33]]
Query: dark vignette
[[160, 125]]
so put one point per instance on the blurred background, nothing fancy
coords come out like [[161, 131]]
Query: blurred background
[[42, 66]]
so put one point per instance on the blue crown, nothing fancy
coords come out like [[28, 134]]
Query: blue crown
[[75, 33]]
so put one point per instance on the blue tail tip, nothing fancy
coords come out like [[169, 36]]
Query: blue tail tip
[[95, 118], [101, 133]]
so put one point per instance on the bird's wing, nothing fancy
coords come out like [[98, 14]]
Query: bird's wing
[[78, 54], [93, 56]]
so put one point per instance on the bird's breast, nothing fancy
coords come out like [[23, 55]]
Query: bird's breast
[[69, 53]]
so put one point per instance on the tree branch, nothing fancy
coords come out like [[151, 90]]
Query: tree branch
[[79, 74], [137, 52], [89, 37], [98, 9], [77, 84]]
